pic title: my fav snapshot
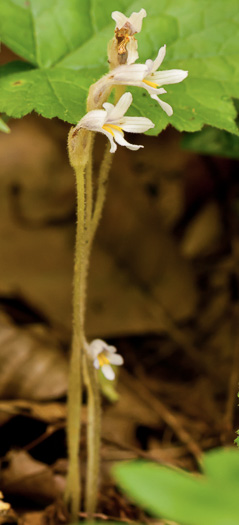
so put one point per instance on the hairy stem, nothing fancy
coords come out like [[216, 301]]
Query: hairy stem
[[89, 188], [103, 177], [93, 435], [79, 148], [90, 374], [91, 379], [101, 192]]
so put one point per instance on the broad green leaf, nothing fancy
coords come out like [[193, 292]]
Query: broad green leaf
[[188, 499], [222, 466], [211, 141], [65, 42], [45, 91]]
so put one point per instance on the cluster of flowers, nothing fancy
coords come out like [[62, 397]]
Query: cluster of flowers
[[111, 122]]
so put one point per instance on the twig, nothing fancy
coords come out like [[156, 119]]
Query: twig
[[169, 418]]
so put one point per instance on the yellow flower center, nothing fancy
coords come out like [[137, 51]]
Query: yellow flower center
[[103, 360], [151, 84], [108, 127]]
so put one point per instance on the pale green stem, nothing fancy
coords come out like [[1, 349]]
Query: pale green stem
[[79, 148], [93, 435], [80, 152], [103, 177], [101, 191], [90, 375], [89, 188]]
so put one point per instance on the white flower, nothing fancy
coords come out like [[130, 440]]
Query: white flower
[[132, 53], [103, 356], [147, 76], [125, 30], [133, 23], [111, 122]]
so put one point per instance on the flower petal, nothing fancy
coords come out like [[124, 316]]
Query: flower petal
[[149, 64], [119, 19], [96, 364], [151, 89], [136, 124], [108, 107], [120, 108], [93, 120], [121, 140], [113, 147], [116, 359], [96, 347], [108, 372], [129, 75], [166, 107], [136, 20], [172, 76], [132, 53], [111, 349], [159, 59]]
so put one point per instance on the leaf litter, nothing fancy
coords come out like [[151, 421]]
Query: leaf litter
[[158, 291]]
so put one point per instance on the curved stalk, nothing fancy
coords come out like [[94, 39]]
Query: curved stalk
[[90, 375], [101, 191], [93, 435], [103, 177], [80, 144], [79, 147]]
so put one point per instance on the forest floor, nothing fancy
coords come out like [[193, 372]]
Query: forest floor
[[163, 288]]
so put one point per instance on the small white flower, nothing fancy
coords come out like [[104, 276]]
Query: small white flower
[[147, 76], [125, 30], [132, 53], [103, 356], [133, 23], [111, 122]]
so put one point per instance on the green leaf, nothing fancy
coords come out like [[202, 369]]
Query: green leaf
[[65, 43], [108, 388], [222, 466], [211, 141], [4, 127], [188, 499], [45, 91]]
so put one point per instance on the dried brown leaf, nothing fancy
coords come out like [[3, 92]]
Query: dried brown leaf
[[48, 412], [32, 366], [23, 476]]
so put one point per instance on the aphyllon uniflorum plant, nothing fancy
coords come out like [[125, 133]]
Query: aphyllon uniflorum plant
[[88, 357], [63, 45]]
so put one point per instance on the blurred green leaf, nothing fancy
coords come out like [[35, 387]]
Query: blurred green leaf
[[3, 126], [211, 141], [65, 43], [211, 499], [222, 466], [108, 388]]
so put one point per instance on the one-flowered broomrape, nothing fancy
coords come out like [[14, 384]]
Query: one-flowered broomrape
[[103, 356], [147, 76], [111, 122], [125, 30], [133, 24]]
